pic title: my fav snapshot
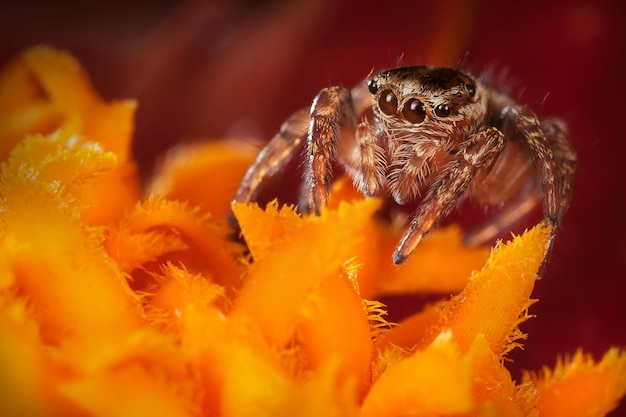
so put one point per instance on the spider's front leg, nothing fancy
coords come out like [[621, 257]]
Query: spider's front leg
[[477, 154], [331, 111]]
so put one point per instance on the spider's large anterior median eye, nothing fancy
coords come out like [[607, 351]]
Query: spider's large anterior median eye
[[414, 110], [388, 102], [442, 110]]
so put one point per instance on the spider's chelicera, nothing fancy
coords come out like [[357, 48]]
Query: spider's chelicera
[[434, 131]]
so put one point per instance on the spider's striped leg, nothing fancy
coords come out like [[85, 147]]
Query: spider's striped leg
[[330, 112], [274, 156]]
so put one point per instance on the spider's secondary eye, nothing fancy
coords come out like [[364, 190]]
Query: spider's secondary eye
[[388, 102], [414, 110], [471, 89], [372, 86], [442, 110]]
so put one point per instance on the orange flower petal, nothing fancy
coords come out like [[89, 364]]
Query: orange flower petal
[[335, 327], [266, 229], [186, 305], [129, 393], [265, 390], [71, 101], [62, 78], [17, 87], [286, 291], [323, 393], [22, 110], [27, 369], [284, 274], [496, 298], [160, 227], [579, 387], [204, 174], [111, 194], [52, 248], [434, 381], [182, 292], [493, 389], [145, 375], [410, 331], [427, 270], [112, 126], [40, 117]]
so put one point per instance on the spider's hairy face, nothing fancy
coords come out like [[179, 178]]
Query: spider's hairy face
[[427, 101]]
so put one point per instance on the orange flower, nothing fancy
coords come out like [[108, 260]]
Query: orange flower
[[117, 304]]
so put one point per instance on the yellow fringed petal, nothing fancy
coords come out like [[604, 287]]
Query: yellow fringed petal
[[130, 393], [346, 341], [494, 391], [266, 386], [164, 230], [496, 298], [204, 174], [428, 270], [580, 387], [324, 392], [62, 78], [186, 306], [272, 297], [145, 375], [111, 125], [52, 248], [45, 89], [411, 330], [433, 381], [265, 229], [26, 369]]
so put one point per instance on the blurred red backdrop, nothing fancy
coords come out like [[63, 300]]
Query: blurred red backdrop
[[203, 70]]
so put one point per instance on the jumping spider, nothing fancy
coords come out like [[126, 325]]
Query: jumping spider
[[427, 129]]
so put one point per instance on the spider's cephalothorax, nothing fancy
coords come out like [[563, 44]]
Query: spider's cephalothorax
[[433, 131]]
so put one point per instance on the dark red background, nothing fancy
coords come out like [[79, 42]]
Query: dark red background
[[214, 69]]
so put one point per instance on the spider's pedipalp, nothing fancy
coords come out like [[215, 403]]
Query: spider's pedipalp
[[478, 154], [368, 162]]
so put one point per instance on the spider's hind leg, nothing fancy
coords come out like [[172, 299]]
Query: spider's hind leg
[[503, 220], [507, 173], [565, 158], [274, 156], [510, 185]]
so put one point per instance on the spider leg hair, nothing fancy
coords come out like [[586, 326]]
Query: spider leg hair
[[274, 156], [330, 112]]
